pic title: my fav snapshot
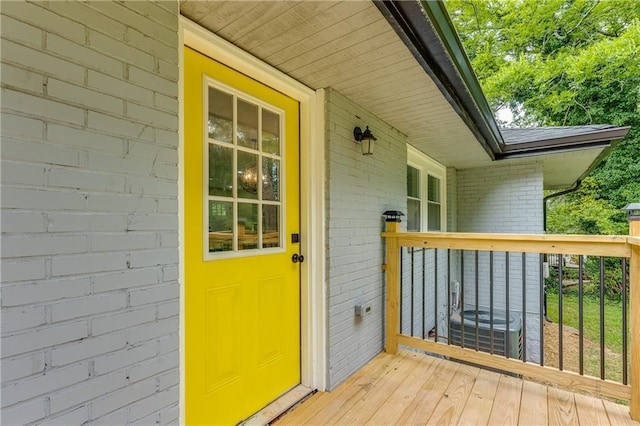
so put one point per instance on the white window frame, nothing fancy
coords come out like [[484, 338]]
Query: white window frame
[[429, 167]]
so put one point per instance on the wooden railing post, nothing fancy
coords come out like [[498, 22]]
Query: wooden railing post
[[634, 314], [393, 290]]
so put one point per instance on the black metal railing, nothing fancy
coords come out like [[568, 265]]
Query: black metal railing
[[497, 302]]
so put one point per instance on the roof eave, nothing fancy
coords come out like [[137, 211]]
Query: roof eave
[[437, 48], [578, 141]]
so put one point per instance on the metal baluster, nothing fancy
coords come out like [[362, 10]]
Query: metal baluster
[[524, 307], [412, 289], [560, 327], [462, 333], [477, 303], [448, 296], [435, 297], [542, 296], [402, 290], [624, 321], [508, 322], [424, 296], [491, 302], [580, 317], [602, 317]]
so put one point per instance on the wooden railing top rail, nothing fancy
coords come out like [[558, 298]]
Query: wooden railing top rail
[[594, 245]]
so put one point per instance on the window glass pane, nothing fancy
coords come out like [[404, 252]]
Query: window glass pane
[[270, 179], [220, 171], [413, 182], [270, 132], [220, 121], [413, 215], [247, 226], [220, 226], [433, 210], [247, 124], [270, 226], [247, 175], [433, 189]]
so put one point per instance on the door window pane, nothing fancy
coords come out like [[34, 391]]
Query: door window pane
[[270, 132], [247, 226], [220, 226], [220, 170], [247, 125], [244, 176], [247, 175], [270, 179], [270, 226], [220, 121]]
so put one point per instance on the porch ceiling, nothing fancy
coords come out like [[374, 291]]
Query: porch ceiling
[[351, 47]]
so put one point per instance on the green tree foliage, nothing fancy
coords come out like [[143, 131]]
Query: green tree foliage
[[561, 63]]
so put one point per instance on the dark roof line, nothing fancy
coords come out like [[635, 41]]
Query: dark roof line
[[437, 48], [559, 139]]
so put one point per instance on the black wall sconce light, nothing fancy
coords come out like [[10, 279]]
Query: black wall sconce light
[[365, 139]]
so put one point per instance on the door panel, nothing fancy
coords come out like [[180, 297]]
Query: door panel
[[242, 291]]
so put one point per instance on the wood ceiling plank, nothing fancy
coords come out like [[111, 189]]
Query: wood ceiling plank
[[346, 62], [332, 38], [299, 22], [255, 15]]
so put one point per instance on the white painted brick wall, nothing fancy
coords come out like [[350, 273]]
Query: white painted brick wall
[[359, 190], [89, 212], [504, 198]]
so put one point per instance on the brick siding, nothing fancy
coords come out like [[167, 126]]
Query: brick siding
[[359, 189], [89, 219]]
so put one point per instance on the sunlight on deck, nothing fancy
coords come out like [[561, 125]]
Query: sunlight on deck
[[412, 388]]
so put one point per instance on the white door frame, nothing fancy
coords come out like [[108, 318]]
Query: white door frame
[[312, 290]]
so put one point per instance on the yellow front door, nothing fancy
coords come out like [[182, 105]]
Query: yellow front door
[[242, 223]]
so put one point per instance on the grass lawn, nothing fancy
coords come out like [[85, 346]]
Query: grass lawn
[[591, 321]]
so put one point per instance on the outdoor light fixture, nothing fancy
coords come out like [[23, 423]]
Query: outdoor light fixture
[[633, 210], [393, 215], [366, 140]]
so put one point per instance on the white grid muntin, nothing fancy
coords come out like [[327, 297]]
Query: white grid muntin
[[209, 82]]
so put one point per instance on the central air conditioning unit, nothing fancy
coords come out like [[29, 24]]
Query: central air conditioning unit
[[500, 335]]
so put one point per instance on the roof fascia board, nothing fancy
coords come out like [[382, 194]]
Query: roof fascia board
[[606, 135], [437, 48], [555, 150]]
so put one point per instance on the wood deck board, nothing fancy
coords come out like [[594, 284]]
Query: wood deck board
[[372, 398], [450, 407], [562, 407], [336, 403], [413, 388], [395, 405], [618, 414], [534, 407], [425, 400], [590, 410], [478, 407], [508, 397]]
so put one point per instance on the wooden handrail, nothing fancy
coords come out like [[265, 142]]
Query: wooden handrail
[[594, 245]]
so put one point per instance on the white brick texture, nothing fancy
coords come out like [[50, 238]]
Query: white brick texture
[[359, 189], [89, 224], [504, 199]]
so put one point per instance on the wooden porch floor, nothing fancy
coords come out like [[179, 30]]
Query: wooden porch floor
[[413, 388]]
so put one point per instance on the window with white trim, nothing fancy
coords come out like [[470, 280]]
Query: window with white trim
[[426, 201]]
